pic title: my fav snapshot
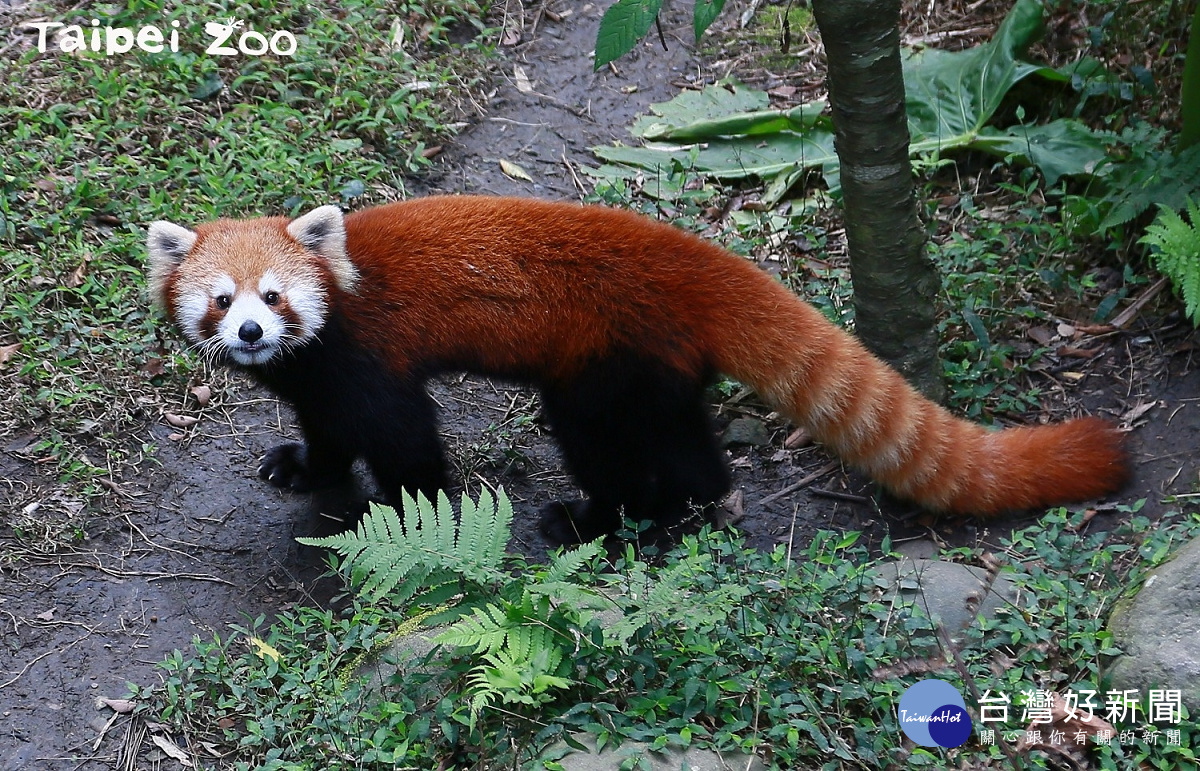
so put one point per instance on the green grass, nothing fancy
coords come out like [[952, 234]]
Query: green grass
[[92, 148], [797, 657]]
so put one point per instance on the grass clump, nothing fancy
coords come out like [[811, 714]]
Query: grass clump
[[94, 147], [798, 657]]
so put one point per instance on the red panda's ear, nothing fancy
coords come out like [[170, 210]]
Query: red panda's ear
[[323, 232], [167, 245]]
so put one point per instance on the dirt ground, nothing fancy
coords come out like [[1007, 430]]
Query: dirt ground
[[196, 543]]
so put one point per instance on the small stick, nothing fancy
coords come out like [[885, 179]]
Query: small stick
[[805, 482]]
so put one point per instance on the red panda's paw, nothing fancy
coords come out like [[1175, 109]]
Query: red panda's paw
[[285, 466], [300, 468], [565, 523]]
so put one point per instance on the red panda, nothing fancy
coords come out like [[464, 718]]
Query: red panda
[[619, 320]]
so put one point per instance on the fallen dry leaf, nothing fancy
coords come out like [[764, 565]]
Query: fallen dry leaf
[[120, 706], [514, 171], [1075, 352], [524, 85], [154, 367], [180, 421], [203, 394], [7, 351], [211, 748], [75, 278], [172, 749], [1041, 335], [263, 649], [512, 30], [1138, 411], [732, 510], [1087, 517], [797, 439]]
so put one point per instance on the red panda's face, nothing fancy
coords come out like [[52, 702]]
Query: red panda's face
[[248, 290]]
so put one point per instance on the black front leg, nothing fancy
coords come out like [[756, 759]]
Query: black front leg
[[305, 467], [404, 452]]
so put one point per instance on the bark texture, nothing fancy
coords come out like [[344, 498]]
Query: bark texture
[[895, 282]]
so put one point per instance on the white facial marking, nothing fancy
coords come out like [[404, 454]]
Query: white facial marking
[[269, 283], [247, 311], [309, 306], [224, 285]]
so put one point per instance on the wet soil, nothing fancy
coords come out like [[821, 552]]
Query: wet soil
[[195, 542]]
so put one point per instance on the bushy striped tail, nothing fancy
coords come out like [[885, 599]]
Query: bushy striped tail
[[825, 380]]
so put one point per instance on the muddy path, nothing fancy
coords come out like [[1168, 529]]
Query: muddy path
[[194, 542]]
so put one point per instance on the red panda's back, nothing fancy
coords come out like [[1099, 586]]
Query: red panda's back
[[502, 284]]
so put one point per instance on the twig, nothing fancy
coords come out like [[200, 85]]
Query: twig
[[571, 169], [36, 659], [150, 576], [1127, 315], [805, 482], [837, 496], [104, 731], [956, 661]]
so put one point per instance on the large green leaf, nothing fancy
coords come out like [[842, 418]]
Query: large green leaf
[[725, 132], [950, 96], [622, 26], [718, 101]]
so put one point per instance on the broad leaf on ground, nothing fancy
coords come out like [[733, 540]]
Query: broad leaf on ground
[[726, 132]]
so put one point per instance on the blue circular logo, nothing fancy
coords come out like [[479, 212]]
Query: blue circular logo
[[933, 714]]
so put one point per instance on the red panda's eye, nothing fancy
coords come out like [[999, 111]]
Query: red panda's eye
[[270, 298], [224, 301]]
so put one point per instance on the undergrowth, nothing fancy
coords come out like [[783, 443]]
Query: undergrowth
[[797, 656], [94, 147]]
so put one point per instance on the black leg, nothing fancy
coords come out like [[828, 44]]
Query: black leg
[[304, 467], [640, 444], [405, 453]]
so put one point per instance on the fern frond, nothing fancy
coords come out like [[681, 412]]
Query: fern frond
[[485, 631], [1148, 179], [1175, 245], [385, 558], [566, 565]]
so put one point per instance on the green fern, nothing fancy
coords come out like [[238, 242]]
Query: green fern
[[521, 633], [1176, 253], [1150, 176], [672, 594], [518, 680], [523, 649], [432, 555]]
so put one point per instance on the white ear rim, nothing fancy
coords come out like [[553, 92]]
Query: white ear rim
[[167, 244], [323, 232]]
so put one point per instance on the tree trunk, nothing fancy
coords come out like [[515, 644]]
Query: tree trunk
[[895, 282], [1189, 106]]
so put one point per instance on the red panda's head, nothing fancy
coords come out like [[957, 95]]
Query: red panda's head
[[247, 289]]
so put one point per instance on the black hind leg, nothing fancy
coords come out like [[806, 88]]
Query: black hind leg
[[639, 442]]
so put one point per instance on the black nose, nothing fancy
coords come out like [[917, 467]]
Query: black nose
[[250, 331]]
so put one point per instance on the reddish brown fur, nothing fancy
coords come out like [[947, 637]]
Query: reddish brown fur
[[536, 289]]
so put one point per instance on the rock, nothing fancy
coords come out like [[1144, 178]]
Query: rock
[[940, 590], [749, 431], [610, 759], [1159, 631]]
